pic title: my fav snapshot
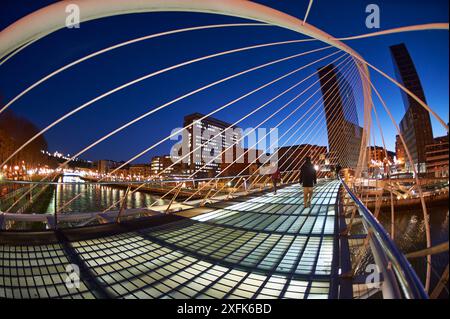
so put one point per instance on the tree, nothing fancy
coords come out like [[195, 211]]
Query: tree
[[14, 132]]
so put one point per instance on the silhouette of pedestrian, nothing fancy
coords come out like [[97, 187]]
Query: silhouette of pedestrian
[[308, 179]]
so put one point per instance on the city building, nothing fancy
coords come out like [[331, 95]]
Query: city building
[[415, 125], [106, 166], [292, 157], [344, 132], [377, 154], [60, 158], [247, 164], [163, 166], [121, 173], [400, 153], [378, 162], [140, 170], [437, 157], [204, 146]]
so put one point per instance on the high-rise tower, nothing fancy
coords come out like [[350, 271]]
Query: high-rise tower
[[344, 133], [415, 125]]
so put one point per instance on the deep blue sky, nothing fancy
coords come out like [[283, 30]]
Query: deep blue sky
[[429, 50]]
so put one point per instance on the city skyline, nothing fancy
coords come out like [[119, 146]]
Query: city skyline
[[224, 149], [131, 62]]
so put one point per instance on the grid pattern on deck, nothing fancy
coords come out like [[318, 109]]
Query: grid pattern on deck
[[301, 255], [190, 259], [134, 267], [130, 266], [283, 213], [36, 272], [276, 238]]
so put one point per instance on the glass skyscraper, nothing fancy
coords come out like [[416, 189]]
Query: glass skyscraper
[[415, 125], [344, 132]]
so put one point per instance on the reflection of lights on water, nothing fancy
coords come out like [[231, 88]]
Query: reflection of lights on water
[[137, 198]]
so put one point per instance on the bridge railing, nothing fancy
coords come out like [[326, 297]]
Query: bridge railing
[[399, 278], [179, 193]]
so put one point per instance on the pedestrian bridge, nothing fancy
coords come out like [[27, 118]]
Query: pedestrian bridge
[[231, 237], [258, 246]]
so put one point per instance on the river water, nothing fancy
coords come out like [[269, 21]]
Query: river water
[[94, 197], [410, 236]]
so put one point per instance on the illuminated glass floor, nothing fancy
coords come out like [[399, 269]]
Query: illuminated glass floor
[[265, 247]]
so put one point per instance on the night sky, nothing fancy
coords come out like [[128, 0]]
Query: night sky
[[429, 50]]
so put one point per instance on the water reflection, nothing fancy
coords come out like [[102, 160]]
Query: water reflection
[[410, 236], [93, 197]]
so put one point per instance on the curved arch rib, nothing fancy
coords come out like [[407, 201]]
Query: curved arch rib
[[153, 74], [31, 27], [110, 48], [418, 27]]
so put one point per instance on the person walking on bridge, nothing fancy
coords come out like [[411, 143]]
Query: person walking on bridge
[[308, 179], [338, 170], [276, 177]]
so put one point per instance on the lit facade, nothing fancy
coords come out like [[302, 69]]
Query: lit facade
[[415, 125], [437, 157], [244, 162], [207, 139], [140, 170], [400, 153], [293, 157], [344, 132], [164, 166], [105, 166]]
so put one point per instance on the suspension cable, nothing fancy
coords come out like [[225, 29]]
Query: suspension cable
[[173, 101], [422, 200], [259, 141], [203, 117], [237, 122]]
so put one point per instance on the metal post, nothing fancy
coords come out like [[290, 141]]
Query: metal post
[[173, 199], [235, 188], [389, 288], [56, 210], [123, 204], [203, 202]]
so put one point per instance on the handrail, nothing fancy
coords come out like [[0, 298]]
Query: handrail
[[78, 216], [398, 272], [114, 182]]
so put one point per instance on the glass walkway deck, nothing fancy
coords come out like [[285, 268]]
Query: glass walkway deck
[[267, 246]]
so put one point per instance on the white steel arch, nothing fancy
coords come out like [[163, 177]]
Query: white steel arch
[[53, 17]]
